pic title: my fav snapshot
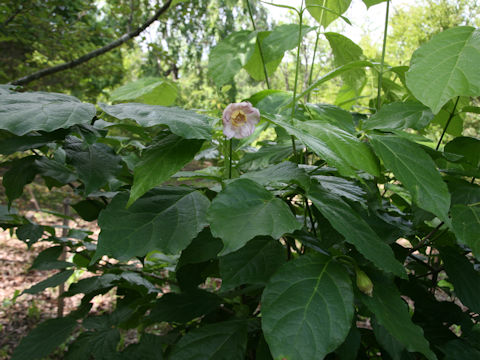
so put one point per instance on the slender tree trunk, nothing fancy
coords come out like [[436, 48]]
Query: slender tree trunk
[[82, 59]]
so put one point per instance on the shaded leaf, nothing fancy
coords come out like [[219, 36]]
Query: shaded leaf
[[466, 226], [285, 173], [282, 38], [44, 339], [355, 230], [150, 90], [252, 264], [417, 171], [164, 219], [254, 66], [220, 341], [21, 173], [52, 281], [323, 16]]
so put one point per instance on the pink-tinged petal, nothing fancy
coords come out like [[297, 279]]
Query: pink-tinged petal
[[245, 131], [229, 131]]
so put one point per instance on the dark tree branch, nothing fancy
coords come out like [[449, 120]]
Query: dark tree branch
[[114, 44]]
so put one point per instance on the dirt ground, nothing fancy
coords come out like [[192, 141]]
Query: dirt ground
[[20, 314]]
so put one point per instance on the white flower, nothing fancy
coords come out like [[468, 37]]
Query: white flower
[[239, 120]]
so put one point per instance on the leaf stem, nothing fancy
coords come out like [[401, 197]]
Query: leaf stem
[[313, 63], [382, 62], [452, 114], [300, 16], [230, 151], [259, 45]]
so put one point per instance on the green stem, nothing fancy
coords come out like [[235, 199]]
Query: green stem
[[230, 151], [259, 45], [380, 75], [300, 15], [452, 114], [310, 76]]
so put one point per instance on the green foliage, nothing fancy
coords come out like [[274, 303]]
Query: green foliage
[[326, 234]]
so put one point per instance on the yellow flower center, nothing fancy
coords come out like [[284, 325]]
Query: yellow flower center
[[238, 118]]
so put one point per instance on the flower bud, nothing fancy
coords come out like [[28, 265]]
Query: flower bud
[[364, 283]]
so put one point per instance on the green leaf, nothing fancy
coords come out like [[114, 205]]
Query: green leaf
[[334, 73], [148, 348], [338, 147], [346, 51], [267, 154], [333, 115], [56, 170], [21, 173], [21, 113], [466, 226], [370, 3], [181, 308], [101, 344], [89, 209], [323, 16], [307, 308], [203, 248], [160, 161], [254, 66], [468, 147], [96, 164], [150, 90], [252, 264], [356, 231], [341, 187], [44, 339], [220, 341], [48, 259], [12, 144], [282, 38], [459, 349], [398, 116], [392, 313], [463, 276], [29, 233], [243, 210], [228, 57], [417, 171], [164, 219], [284, 173], [445, 67], [184, 123], [92, 284], [52, 281]]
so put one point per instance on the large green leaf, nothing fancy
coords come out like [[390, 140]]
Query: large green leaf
[[459, 349], [184, 123], [254, 263], [284, 173], [346, 51], [221, 341], [12, 143], [254, 66], [228, 57], [370, 3], [322, 15], [399, 115], [307, 308], [45, 338], [445, 67], [416, 170], [96, 164], [164, 219], [338, 147], [468, 147], [466, 225], [203, 248], [355, 230], [148, 348], [52, 281], [21, 173], [150, 90], [182, 308], [243, 210], [21, 113], [463, 276], [282, 38], [160, 161], [392, 313], [332, 114], [101, 344]]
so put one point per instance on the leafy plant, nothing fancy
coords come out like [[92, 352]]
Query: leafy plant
[[334, 239]]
